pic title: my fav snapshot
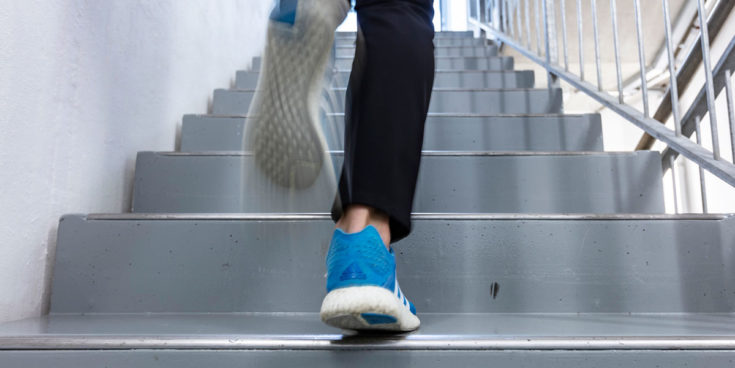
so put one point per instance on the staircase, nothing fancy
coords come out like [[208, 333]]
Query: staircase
[[531, 247]]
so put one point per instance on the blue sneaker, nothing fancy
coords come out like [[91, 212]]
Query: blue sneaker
[[362, 290]]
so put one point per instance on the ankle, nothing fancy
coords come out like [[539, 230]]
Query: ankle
[[357, 217]]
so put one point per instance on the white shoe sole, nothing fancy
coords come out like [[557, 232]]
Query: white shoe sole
[[367, 308], [283, 129]]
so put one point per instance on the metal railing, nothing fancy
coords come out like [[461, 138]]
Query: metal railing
[[511, 21]]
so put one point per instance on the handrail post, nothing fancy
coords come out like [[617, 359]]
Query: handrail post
[[596, 32], [616, 48], [702, 182], [641, 58], [551, 78], [672, 162], [672, 69], [708, 80], [564, 33], [730, 110], [580, 36]]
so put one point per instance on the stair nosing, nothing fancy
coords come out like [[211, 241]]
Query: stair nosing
[[445, 57], [440, 46], [436, 89], [509, 71], [338, 342], [447, 153], [431, 115], [415, 216]]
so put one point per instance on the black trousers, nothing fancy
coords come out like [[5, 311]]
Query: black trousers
[[386, 105]]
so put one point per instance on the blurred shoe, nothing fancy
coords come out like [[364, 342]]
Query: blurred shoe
[[283, 129]]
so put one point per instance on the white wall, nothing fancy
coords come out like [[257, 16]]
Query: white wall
[[83, 86]]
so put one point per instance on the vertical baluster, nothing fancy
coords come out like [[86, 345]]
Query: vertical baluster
[[702, 184], [508, 20], [596, 32], [550, 79], [519, 24], [538, 27], [511, 18], [730, 110], [545, 19], [673, 87], [616, 48], [551, 29], [527, 13], [641, 58], [708, 80], [581, 39], [504, 12], [672, 163], [564, 33], [479, 10]]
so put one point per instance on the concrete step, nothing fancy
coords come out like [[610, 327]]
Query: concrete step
[[201, 133], [457, 182], [441, 63], [452, 63], [438, 42], [485, 51], [138, 263], [278, 340], [443, 100], [442, 79]]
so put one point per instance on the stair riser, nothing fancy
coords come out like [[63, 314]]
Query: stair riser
[[518, 101], [456, 63], [461, 184], [438, 51], [438, 42], [437, 35], [445, 266], [517, 133], [476, 79]]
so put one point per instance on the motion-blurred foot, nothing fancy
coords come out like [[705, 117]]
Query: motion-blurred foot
[[283, 129]]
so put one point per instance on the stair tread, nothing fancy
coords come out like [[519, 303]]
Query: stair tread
[[439, 331], [228, 216], [438, 71], [446, 57], [490, 45], [431, 114], [430, 153], [435, 89]]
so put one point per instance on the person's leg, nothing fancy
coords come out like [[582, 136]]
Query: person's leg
[[387, 102]]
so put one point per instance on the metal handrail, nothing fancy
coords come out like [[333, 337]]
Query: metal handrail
[[688, 68], [676, 140], [699, 106]]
